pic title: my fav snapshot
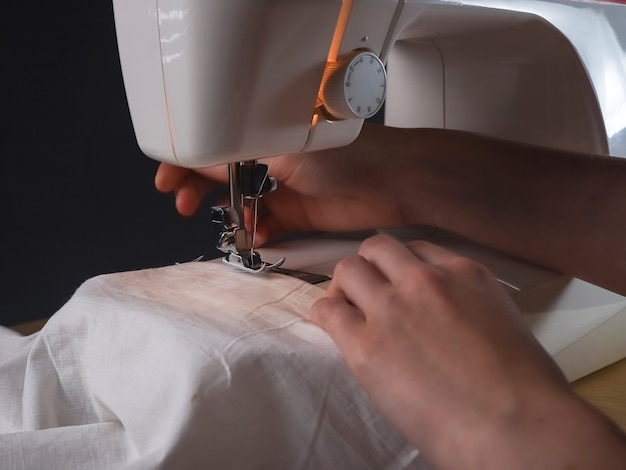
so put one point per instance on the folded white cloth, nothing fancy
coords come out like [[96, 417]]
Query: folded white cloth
[[189, 366]]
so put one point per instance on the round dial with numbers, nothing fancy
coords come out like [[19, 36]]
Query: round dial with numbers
[[355, 86]]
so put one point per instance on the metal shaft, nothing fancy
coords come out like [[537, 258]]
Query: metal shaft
[[242, 243]]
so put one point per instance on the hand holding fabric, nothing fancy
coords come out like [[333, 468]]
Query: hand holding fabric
[[444, 354]]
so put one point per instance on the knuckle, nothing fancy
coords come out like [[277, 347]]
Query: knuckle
[[395, 301], [429, 276]]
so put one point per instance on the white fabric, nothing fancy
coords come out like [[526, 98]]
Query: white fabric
[[189, 366]]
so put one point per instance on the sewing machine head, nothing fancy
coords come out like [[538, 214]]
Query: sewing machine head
[[212, 81]]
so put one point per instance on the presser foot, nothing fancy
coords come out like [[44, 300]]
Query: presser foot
[[250, 264], [248, 181]]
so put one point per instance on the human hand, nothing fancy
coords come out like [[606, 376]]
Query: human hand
[[351, 188], [445, 355]]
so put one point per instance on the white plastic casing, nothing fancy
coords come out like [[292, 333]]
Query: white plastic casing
[[215, 81], [545, 72]]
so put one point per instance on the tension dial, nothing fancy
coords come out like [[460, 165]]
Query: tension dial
[[354, 86]]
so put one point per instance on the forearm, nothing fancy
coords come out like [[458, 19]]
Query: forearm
[[553, 434], [563, 210]]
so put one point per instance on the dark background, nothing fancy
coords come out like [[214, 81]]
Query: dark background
[[77, 196]]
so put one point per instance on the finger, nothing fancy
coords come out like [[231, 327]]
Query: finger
[[169, 177], [430, 253], [359, 282], [341, 320], [391, 257], [190, 192], [269, 227]]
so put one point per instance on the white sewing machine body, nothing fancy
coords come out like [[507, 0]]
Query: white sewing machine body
[[212, 81]]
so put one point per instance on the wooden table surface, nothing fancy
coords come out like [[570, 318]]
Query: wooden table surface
[[606, 390]]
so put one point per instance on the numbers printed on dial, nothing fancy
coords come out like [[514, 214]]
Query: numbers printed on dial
[[365, 85]]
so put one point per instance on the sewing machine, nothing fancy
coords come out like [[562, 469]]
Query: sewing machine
[[228, 82]]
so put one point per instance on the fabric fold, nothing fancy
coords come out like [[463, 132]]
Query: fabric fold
[[188, 366]]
